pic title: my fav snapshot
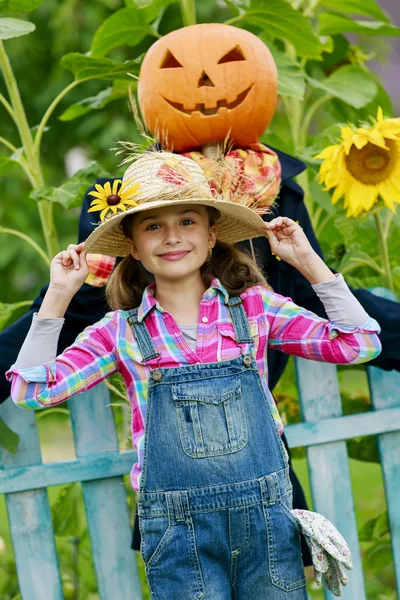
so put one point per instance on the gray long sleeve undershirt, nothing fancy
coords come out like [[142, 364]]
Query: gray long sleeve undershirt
[[40, 345]]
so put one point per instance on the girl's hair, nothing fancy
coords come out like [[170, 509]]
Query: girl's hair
[[235, 269]]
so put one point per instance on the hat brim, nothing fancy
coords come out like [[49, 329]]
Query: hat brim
[[235, 224]]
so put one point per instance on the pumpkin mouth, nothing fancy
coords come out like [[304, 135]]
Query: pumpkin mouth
[[200, 107]]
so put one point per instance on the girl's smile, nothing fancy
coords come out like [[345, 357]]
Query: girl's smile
[[174, 254]]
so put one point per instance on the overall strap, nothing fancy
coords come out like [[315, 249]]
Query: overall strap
[[239, 320], [142, 336]]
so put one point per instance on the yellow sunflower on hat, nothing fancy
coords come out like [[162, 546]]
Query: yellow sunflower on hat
[[114, 199], [364, 166]]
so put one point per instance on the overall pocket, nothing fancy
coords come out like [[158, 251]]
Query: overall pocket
[[284, 553], [211, 416], [170, 556]]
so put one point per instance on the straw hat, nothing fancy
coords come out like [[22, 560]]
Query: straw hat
[[166, 179]]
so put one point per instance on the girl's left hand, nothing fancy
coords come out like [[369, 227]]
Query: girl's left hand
[[288, 241]]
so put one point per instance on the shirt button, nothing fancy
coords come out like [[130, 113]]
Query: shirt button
[[204, 319]]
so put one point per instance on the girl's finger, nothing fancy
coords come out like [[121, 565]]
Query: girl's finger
[[73, 255]]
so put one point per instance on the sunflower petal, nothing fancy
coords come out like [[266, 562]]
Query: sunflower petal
[[103, 213], [98, 195], [389, 193], [100, 189], [107, 188]]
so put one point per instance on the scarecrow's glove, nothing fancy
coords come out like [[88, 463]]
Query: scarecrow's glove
[[328, 549]]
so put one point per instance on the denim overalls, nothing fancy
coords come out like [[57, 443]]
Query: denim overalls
[[215, 495]]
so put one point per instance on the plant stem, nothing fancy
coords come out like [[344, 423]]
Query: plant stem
[[188, 10], [7, 106], [20, 160], [32, 158], [309, 116], [47, 114], [29, 240], [384, 251]]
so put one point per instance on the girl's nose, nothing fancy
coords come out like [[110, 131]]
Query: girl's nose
[[172, 235]]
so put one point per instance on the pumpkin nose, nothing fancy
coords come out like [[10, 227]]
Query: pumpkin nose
[[205, 80]]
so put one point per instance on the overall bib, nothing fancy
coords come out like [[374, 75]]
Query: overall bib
[[215, 495]]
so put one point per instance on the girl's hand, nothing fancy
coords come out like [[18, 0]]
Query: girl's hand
[[69, 269], [288, 241]]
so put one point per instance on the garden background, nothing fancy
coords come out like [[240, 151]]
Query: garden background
[[337, 63]]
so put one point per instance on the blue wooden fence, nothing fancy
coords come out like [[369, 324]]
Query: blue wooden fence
[[100, 466]]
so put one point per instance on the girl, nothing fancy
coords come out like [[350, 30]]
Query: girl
[[212, 473]]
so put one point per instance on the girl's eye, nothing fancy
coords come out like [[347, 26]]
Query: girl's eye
[[152, 227], [187, 222]]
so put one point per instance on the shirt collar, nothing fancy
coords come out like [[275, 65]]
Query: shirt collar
[[149, 302]]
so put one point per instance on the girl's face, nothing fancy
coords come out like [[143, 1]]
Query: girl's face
[[173, 242]]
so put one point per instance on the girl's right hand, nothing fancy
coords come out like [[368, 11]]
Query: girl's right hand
[[69, 269]]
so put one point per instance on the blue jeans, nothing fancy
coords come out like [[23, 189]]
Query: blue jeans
[[223, 544]]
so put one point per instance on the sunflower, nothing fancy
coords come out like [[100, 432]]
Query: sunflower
[[365, 166], [117, 198]]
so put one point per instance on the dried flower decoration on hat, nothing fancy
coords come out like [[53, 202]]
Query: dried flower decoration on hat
[[250, 177], [174, 172], [108, 200]]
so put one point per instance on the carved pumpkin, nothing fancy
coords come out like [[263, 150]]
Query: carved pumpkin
[[200, 83]]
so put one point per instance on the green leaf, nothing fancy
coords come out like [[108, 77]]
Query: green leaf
[[378, 557], [92, 103], [150, 9], [126, 26], [19, 5], [331, 24], [7, 310], [12, 28], [91, 67], [70, 193], [291, 77], [370, 8], [66, 511], [350, 83], [279, 20], [8, 438], [6, 163]]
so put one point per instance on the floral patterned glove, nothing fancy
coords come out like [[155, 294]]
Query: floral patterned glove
[[328, 549]]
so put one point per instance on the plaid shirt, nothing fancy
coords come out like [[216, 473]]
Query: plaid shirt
[[109, 346]]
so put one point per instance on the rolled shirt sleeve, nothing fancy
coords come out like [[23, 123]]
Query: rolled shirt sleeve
[[350, 336], [50, 380]]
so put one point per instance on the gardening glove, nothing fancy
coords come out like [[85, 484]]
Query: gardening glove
[[328, 549]]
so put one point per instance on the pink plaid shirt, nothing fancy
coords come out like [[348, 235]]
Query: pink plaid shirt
[[109, 346]]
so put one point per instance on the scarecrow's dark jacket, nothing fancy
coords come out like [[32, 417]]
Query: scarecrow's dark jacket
[[89, 305]]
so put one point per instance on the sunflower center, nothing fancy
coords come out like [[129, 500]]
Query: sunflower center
[[113, 199], [372, 164]]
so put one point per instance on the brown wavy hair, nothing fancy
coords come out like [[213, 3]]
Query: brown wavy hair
[[235, 269]]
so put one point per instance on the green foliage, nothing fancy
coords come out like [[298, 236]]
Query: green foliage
[[91, 67], [278, 20], [70, 193], [12, 28], [351, 84], [25, 6], [127, 26]]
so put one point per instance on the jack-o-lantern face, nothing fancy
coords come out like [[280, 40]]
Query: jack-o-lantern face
[[204, 82]]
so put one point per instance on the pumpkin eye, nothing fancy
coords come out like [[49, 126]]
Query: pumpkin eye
[[233, 55], [170, 61]]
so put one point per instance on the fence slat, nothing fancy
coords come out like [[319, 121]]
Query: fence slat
[[29, 514], [105, 500], [385, 394], [19, 479], [320, 399]]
